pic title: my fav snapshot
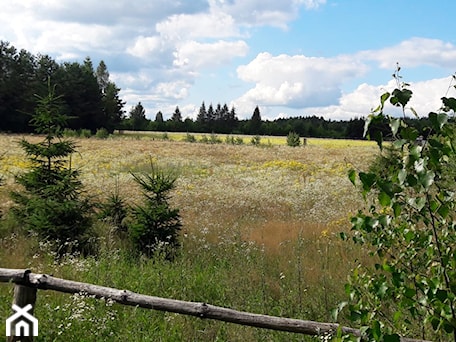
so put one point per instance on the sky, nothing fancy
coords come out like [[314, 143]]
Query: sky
[[330, 58]]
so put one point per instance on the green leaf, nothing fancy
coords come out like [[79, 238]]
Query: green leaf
[[409, 133], [435, 322], [376, 331], [352, 176], [420, 202], [384, 199], [382, 289], [368, 179], [409, 235], [427, 179], [415, 152], [442, 295], [401, 176], [383, 99], [397, 209], [444, 210], [367, 123], [419, 165], [434, 205], [411, 180], [401, 97], [395, 124], [378, 137], [449, 103], [448, 327], [438, 120]]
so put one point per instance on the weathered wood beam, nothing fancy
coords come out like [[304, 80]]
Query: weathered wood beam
[[201, 310]]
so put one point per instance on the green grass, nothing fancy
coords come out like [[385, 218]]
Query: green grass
[[260, 235]]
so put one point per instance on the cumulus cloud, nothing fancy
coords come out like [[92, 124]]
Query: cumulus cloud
[[414, 52], [296, 81], [268, 12], [359, 103], [202, 55], [155, 50], [213, 24]]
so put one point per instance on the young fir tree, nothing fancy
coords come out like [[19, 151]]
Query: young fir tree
[[50, 202], [155, 227]]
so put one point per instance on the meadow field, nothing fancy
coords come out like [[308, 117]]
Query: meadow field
[[260, 233]]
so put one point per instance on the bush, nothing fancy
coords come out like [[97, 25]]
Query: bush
[[190, 138], [85, 133], [102, 133], [114, 211], [70, 133], [214, 139], [293, 139], [409, 227], [256, 140], [155, 226], [234, 140]]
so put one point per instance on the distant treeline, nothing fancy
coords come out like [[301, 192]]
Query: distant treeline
[[224, 120], [92, 101], [88, 97]]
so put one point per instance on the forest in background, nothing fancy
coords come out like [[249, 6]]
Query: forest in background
[[92, 101]]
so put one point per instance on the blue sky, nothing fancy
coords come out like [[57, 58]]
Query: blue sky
[[330, 58]]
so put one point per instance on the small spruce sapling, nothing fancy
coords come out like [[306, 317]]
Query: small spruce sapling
[[50, 201], [155, 226]]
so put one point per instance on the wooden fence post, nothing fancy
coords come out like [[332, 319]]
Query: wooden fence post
[[23, 295]]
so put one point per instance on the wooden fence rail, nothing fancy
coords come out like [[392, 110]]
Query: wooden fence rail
[[25, 279]]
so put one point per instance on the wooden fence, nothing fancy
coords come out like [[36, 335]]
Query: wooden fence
[[27, 283]]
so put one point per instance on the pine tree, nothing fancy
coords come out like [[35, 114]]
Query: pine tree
[[138, 117], [255, 121], [159, 117], [177, 116], [50, 203], [202, 114]]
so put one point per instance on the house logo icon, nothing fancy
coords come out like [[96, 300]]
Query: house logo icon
[[21, 321]]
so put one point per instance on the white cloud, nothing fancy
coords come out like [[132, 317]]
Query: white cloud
[[296, 81], [201, 55], [414, 52], [146, 46], [275, 13], [173, 90], [426, 98], [213, 24]]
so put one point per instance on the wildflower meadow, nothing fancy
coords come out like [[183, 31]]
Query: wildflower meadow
[[260, 233]]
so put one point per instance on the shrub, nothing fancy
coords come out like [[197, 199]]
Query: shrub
[[190, 138], [214, 139], [293, 139], [234, 140], [70, 133], [155, 226], [114, 211], [102, 133], [85, 133], [409, 227], [256, 140]]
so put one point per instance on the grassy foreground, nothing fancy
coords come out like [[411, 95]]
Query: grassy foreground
[[260, 234]]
